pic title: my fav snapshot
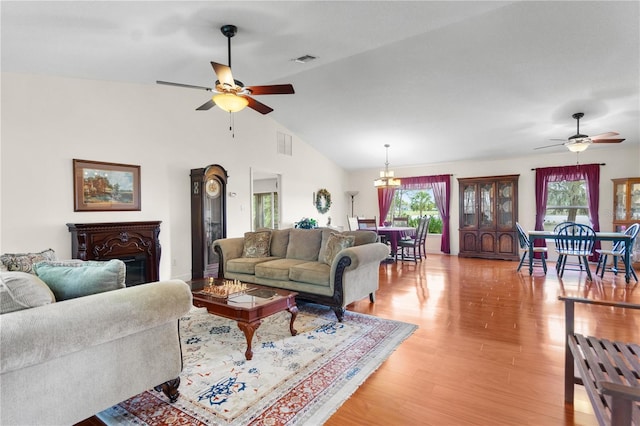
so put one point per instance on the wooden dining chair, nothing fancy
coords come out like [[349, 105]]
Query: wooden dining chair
[[523, 239], [575, 239], [414, 245], [618, 251], [369, 224]]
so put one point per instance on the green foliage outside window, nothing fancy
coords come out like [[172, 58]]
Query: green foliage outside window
[[415, 204]]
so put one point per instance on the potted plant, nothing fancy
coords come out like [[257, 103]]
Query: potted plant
[[306, 223]]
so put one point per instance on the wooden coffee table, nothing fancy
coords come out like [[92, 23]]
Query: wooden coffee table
[[248, 309]]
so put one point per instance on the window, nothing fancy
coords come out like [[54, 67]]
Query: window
[[414, 204], [566, 202], [265, 210]]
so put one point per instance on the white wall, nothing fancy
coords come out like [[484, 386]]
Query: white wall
[[48, 121], [621, 160]]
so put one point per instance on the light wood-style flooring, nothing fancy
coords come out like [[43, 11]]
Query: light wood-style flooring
[[490, 345], [489, 349]]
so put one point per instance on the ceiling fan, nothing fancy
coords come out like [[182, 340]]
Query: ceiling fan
[[230, 94], [579, 142]]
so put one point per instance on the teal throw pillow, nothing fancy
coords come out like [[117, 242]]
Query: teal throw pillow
[[76, 278]]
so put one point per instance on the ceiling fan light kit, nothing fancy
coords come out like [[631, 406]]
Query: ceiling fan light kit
[[230, 102]]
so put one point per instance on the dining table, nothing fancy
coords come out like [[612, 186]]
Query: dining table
[[393, 234], [600, 236]]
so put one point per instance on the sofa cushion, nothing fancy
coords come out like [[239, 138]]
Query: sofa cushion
[[76, 278], [277, 269], [311, 272], [24, 262], [279, 242], [21, 290], [304, 244], [257, 244], [335, 244], [246, 265]]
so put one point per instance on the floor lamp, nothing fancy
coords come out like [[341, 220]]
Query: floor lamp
[[352, 194]]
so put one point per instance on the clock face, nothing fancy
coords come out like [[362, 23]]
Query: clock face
[[213, 188]]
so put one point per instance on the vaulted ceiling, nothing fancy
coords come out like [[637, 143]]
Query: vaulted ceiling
[[439, 81]]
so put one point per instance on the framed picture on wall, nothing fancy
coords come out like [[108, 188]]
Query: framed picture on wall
[[99, 186]]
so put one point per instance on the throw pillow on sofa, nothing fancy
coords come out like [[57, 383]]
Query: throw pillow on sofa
[[257, 244], [23, 262], [21, 290], [335, 244], [76, 278]]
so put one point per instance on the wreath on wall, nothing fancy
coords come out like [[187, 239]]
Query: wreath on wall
[[323, 201]]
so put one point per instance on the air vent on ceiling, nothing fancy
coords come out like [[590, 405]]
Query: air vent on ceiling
[[304, 59]]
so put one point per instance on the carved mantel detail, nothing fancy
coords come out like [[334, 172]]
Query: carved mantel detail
[[118, 240]]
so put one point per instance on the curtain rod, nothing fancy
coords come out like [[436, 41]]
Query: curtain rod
[[599, 164]]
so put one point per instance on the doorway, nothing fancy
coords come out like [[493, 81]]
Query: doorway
[[265, 199]]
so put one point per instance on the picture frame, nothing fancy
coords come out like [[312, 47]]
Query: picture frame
[[101, 186]]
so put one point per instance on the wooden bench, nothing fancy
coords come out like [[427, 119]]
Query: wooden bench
[[609, 371]]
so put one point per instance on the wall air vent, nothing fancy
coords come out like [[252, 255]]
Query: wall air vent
[[284, 144], [304, 59]]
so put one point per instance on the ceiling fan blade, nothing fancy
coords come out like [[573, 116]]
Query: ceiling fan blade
[[549, 146], [258, 106], [274, 89], [189, 86], [224, 74], [206, 106], [607, 140], [604, 135]]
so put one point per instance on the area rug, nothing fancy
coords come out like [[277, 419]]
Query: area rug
[[291, 380]]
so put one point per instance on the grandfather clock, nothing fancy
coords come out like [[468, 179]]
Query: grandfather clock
[[208, 218]]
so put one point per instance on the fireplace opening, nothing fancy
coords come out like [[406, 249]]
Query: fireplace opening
[[136, 267]]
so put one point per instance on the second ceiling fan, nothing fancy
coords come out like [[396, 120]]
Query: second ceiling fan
[[231, 95], [579, 142]]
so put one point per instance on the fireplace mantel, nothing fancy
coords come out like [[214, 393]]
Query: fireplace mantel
[[136, 243]]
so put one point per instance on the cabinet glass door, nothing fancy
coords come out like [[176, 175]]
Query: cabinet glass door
[[505, 204], [635, 202], [487, 216], [469, 217], [620, 201]]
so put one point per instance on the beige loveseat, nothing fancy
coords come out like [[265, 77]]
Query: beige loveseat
[[64, 361], [311, 262]]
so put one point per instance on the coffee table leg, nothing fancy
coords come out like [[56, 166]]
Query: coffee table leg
[[249, 329], [294, 313]]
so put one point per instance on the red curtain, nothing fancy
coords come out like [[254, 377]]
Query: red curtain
[[441, 186], [385, 198], [590, 173]]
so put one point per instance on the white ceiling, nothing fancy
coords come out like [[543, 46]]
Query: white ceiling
[[438, 81]]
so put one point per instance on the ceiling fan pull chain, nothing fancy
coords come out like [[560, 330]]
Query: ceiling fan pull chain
[[232, 125]]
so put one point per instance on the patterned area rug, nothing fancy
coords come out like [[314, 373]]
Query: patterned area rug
[[291, 380]]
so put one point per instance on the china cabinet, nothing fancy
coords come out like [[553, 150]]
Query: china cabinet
[[208, 218], [626, 208], [488, 215]]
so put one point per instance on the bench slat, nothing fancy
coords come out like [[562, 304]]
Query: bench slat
[[599, 408]]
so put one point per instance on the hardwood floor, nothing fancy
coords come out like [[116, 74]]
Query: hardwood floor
[[490, 345], [489, 349]]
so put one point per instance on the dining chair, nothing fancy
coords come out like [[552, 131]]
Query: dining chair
[[575, 239], [400, 221], [371, 225], [414, 244], [353, 223], [618, 251], [523, 238]]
